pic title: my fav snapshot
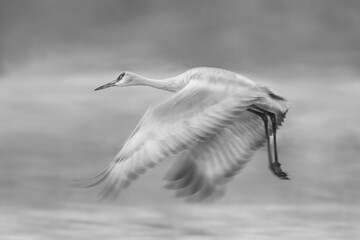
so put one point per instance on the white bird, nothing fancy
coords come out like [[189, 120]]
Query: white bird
[[212, 125]]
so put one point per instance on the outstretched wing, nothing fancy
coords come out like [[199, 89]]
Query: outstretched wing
[[200, 173], [186, 119]]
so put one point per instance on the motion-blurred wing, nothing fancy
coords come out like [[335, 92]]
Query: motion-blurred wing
[[200, 173], [184, 120]]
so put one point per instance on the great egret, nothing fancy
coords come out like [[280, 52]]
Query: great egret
[[212, 125]]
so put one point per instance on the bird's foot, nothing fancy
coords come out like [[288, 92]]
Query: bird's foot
[[276, 169]]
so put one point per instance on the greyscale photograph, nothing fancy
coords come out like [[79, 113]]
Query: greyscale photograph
[[179, 119]]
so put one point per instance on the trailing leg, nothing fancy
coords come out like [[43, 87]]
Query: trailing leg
[[276, 165], [265, 119]]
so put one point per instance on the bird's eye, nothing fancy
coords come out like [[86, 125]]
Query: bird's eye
[[121, 76]]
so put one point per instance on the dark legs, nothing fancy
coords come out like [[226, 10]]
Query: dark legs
[[274, 165], [265, 119]]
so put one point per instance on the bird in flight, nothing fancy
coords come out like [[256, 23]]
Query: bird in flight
[[212, 125]]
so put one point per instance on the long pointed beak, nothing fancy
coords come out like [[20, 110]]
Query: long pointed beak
[[110, 84]]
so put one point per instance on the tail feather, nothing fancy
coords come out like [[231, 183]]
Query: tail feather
[[275, 103], [275, 96]]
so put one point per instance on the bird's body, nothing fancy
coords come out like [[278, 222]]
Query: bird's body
[[212, 125]]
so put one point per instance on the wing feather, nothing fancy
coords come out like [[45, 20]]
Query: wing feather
[[218, 159], [185, 120]]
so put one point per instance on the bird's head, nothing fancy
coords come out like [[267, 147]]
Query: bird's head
[[124, 79]]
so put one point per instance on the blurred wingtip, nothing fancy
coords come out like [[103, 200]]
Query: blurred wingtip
[[92, 181]]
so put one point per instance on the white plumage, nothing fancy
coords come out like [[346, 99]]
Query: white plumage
[[212, 125]]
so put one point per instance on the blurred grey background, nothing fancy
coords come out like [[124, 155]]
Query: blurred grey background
[[54, 128]]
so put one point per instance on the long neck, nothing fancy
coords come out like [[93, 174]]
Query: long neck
[[172, 84]]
